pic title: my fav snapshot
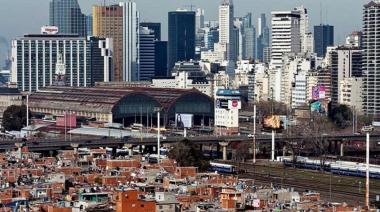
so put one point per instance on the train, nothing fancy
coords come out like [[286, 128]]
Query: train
[[346, 168], [222, 168]]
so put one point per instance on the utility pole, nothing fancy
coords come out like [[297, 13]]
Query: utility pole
[[158, 110], [367, 173], [254, 134]]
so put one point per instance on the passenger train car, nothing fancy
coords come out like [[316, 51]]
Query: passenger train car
[[222, 168], [346, 168]]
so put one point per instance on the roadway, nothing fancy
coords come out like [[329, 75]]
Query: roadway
[[59, 144]]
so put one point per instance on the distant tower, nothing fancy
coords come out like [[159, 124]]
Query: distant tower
[[60, 72]]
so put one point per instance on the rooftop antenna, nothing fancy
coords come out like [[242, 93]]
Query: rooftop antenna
[[320, 12]]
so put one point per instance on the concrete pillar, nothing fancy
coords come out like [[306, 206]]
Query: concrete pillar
[[224, 146], [341, 149], [130, 149], [19, 150]]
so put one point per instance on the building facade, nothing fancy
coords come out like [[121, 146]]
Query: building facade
[[346, 62], [155, 27], [108, 23], [121, 23], [147, 54], [227, 106], [286, 36], [86, 60], [226, 28], [371, 74], [181, 37], [350, 93], [323, 37], [68, 17]]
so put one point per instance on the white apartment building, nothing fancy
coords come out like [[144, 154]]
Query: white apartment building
[[350, 93], [227, 106], [292, 65], [286, 37], [226, 28], [299, 91]]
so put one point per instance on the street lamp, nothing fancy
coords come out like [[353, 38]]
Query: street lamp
[[158, 110], [367, 131]]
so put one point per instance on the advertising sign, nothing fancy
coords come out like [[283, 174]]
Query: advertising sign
[[50, 30], [319, 92], [234, 104], [221, 103], [184, 120], [272, 122]]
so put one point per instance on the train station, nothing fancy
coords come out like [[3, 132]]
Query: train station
[[124, 105]]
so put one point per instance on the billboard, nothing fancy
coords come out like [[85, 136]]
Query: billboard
[[221, 103], [272, 122], [50, 30], [319, 92], [234, 104], [184, 120]]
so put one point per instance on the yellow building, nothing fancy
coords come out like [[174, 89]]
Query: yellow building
[[108, 23]]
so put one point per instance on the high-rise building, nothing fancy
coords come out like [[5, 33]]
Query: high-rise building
[[323, 38], [211, 37], [226, 28], [286, 36], [199, 19], [155, 27], [89, 25], [86, 60], [68, 17], [261, 24], [147, 54], [371, 61], [305, 34], [354, 39], [181, 37], [121, 23], [130, 41], [262, 37], [161, 58], [108, 23], [346, 62]]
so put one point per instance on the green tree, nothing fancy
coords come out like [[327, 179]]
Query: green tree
[[14, 117], [341, 116], [187, 153]]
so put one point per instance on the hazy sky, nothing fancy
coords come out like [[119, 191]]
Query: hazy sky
[[18, 17]]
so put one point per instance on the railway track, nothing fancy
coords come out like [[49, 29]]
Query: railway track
[[331, 187]]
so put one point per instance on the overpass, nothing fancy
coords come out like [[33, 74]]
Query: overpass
[[57, 144]]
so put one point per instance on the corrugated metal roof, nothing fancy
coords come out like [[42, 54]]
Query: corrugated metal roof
[[100, 99]]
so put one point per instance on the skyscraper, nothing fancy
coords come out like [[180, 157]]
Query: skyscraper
[[262, 37], [199, 19], [305, 34], [323, 37], [161, 58], [155, 27], [181, 37], [89, 25], [285, 35], [108, 23], [68, 17], [121, 23], [147, 54], [130, 41], [371, 61], [226, 28]]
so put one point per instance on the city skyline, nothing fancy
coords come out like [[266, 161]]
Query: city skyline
[[146, 8]]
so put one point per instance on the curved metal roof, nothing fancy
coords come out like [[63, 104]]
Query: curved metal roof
[[101, 99]]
